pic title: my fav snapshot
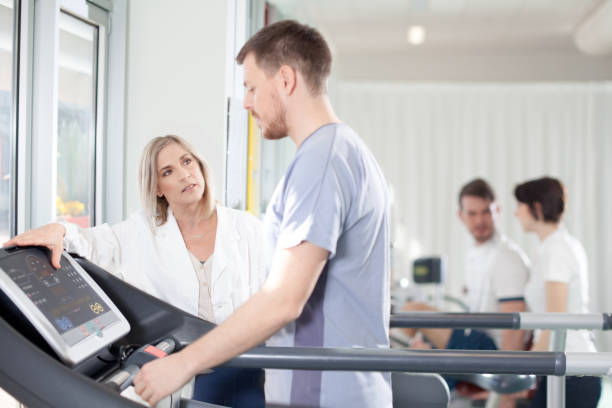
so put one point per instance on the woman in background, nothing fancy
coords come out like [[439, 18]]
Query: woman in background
[[560, 272], [182, 248]]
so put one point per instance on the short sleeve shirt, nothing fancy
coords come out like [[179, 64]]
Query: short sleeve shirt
[[334, 196], [561, 258], [496, 271]]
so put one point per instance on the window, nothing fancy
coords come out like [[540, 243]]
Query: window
[[6, 135], [54, 82], [6, 115], [68, 137], [76, 120], [276, 156]]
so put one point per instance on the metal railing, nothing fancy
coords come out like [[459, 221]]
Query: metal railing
[[558, 323]]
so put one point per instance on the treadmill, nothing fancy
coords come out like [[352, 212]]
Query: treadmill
[[76, 336], [70, 337]]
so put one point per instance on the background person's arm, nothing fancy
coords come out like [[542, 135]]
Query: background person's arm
[[293, 276], [556, 302], [438, 337], [512, 339]]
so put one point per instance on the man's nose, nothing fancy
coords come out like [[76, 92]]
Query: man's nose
[[248, 102]]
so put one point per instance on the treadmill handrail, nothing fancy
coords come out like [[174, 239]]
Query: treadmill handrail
[[427, 361], [509, 321], [424, 361]]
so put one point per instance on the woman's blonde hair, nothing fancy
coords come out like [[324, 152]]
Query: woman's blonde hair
[[157, 207]]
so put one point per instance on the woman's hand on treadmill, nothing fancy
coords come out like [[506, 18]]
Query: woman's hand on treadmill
[[50, 236], [162, 377]]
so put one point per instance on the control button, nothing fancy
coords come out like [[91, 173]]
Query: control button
[[93, 329], [155, 351]]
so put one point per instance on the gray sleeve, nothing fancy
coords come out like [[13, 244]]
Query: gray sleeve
[[315, 206]]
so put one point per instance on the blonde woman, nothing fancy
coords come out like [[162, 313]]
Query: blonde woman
[[182, 248]]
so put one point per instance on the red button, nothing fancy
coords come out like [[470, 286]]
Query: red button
[[155, 351]]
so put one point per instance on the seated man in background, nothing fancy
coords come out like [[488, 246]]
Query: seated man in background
[[496, 272]]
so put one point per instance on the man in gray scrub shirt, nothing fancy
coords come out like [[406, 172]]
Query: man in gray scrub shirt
[[327, 234]]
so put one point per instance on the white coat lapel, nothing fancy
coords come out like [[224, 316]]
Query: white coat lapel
[[226, 244], [177, 266]]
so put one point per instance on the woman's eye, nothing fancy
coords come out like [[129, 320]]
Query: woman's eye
[[166, 173], [187, 161]]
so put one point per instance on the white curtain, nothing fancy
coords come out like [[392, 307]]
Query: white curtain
[[430, 139]]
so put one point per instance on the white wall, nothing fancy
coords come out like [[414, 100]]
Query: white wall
[[560, 65], [175, 81], [430, 139]]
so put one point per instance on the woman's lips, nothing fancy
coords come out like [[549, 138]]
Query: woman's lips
[[189, 188]]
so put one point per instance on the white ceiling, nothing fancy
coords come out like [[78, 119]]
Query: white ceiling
[[453, 26]]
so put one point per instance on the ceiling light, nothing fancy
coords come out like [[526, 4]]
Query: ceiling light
[[416, 35]]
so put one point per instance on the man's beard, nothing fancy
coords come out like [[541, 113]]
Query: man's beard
[[484, 237], [277, 129]]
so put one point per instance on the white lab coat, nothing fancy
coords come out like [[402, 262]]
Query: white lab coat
[[156, 260]]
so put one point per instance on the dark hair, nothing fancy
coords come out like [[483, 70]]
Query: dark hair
[[546, 191], [288, 42], [477, 188]]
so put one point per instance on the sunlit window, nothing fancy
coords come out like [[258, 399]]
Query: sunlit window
[[275, 158], [6, 163], [6, 85], [76, 120]]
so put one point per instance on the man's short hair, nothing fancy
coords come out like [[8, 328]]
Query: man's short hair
[[477, 188], [547, 191], [290, 43]]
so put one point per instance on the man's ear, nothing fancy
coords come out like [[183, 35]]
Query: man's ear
[[495, 208], [460, 215], [288, 78]]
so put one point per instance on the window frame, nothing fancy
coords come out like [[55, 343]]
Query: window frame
[[36, 109], [22, 126]]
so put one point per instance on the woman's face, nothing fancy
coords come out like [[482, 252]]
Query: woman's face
[[525, 217], [179, 177]]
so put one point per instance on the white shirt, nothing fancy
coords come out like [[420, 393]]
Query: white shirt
[[156, 260], [561, 258], [204, 272], [496, 271]]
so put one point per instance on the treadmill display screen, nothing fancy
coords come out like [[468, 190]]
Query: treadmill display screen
[[65, 299]]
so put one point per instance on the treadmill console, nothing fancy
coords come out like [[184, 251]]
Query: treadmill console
[[64, 305]]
